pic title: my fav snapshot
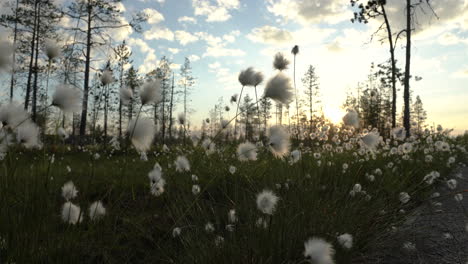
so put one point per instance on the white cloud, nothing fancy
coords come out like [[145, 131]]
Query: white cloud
[[449, 38], [159, 33], [174, 66], [173, 50], [185, 37], [270, 34], [215, 11], [187, 19], [150, 61], [462, 73], [154, 17], [214, 65], [193, 58], [310, 11], [219, 51]]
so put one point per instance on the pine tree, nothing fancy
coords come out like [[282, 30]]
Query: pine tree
[[311, 86], [420, 115], [122, 55]]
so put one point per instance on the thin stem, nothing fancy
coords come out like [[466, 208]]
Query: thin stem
[[258, 109], [238, 103]]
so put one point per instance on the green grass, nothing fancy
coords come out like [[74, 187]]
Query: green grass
[[138, 226]]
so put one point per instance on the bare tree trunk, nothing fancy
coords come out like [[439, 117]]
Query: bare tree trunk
[[106, 105], [15, 36], [36, 66], [120, 102], [392, 58], [406, 93], [84, 111], [171, 107], [31, 61]]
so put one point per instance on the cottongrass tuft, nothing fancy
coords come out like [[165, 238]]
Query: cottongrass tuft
[[151, 92], [71, 213], [12, 115], [351, 118], [157, 182], [371, 140], [106, 77], [404, 197], [181, 118], [52, 50], [399, 133], [67, 98], [258, 78], [280, 62], [246, 77], [62, 133], [176, 232], [182, 164], [232, 216], [345, 240], [28, 135], [232, 169], [69, 191], [96, 211], [247, 151], [452, 184], [126, 95], [209, 227], [266, 202], [295, 156], [195, 189], [279, 141], [318, 251], [141, 133], [279, 88]]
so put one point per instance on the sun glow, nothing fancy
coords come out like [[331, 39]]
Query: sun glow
[[334, 114]]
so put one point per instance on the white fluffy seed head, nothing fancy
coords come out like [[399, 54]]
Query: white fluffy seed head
[[71, 213], [280, 62], [371, 140], [279, 141], [106, 77], [67, 98], [96, 211], [318, 251], [345, 240], [404, 197], [182, 164], [351, 118], [257, 78], [266, 202], [141, 133], [157, 182], [246, 77], [399, 133], [247, 151], [28, 135], [151, 92], [52, 50], [69, 191], [126, 95], [181, 118], [279, 88], [62, 133], [12, 115]]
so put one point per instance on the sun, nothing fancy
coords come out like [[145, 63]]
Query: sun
[[334, 114]]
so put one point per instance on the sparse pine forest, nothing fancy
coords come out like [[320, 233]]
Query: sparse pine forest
[[103, 160]]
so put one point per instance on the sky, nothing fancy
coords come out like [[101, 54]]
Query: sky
[[222, 37]]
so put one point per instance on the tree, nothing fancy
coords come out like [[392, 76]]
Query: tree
[[133, 82], [101, 16], [420, 115], [186, 82], [376, 9], [122, 55], [311, 85]]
